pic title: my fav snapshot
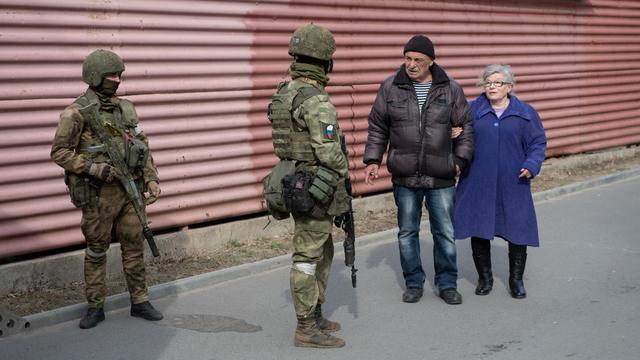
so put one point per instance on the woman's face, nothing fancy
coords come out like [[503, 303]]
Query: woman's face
[[494, 92]]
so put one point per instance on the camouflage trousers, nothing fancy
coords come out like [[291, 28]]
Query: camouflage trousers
[[112, 217], [312, 256]]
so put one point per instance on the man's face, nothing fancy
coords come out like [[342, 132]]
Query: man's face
[[417, 66]]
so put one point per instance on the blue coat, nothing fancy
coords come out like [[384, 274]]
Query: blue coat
[[490, 199]]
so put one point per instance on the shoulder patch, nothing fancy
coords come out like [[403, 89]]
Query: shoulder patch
[[328, 131]]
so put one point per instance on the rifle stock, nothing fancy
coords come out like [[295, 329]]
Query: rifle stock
[[126, 179]]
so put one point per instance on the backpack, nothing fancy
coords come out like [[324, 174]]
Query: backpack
[[273, 189]]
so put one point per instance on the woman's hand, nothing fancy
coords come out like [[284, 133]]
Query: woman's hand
[[525, 173]]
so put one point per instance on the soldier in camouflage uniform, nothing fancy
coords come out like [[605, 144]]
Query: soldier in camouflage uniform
[[94, 187], [305, 130]]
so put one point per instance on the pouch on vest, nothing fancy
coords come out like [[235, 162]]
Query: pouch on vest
[[136, 154], [324, 185], [298, 196], [273, 191], [82, 190], [296, 192]]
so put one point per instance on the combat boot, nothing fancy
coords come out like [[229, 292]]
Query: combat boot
[[92, 318], [146, 311], [325, 324], [308, 334]]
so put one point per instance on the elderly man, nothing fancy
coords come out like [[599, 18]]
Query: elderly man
[[414, 112]]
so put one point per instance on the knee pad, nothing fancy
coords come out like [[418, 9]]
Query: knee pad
[[306, 268]]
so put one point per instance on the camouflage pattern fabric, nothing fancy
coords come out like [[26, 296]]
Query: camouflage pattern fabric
[[313, 41], [312, 241], [106, 211], [109, 214], [313, 244], [315, 122], [316, 115], [74, 137], [113, 217], [99, 63]]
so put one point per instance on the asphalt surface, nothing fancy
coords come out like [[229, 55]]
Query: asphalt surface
[[583, 302]]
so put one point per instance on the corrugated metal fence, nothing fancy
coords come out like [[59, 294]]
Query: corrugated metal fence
[[201, 74]]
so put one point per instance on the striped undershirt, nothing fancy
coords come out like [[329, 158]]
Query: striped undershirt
[[422, 90]]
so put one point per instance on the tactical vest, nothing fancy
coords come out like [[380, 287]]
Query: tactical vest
[[307, 189], [289, 141], [122, 124]]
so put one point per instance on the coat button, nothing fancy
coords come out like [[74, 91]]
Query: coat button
[[495, 124]]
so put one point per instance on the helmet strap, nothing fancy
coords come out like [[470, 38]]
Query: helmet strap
[[328, 66]]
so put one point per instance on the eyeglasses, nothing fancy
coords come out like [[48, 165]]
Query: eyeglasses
[[488, 84]]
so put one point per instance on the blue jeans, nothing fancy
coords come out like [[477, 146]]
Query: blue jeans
[[439, 204]]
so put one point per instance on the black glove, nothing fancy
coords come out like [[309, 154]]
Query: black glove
[[104, 172]]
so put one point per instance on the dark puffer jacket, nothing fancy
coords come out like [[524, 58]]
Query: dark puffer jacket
[[422, 153]]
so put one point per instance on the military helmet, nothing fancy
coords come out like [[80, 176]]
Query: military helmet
[[98, 64], [313, 41]]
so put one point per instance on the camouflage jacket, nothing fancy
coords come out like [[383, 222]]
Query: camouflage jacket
[[317, 116], [74, 137]]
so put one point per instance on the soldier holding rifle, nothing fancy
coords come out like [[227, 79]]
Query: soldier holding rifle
[[108, 170]]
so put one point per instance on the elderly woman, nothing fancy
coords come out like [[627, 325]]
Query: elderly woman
[[493, 198]]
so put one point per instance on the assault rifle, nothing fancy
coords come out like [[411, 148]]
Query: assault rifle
[[126, 179], [345, 222]]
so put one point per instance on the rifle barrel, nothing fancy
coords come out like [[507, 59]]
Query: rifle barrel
[[146, 231]]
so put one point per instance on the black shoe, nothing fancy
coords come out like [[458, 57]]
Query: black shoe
[[92, 318], [451, 296], [412, 295], [146, 311]]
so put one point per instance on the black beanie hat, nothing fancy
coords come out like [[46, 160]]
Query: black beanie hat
[[421, 44]]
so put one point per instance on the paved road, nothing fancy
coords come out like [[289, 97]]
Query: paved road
[[583, 285]]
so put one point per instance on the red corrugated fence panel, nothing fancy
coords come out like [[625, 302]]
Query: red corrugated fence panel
[[201, 74]]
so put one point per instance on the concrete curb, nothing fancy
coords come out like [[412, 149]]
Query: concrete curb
[[587, 184], [121, 301]]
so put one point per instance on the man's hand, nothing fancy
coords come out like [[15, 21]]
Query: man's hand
[[104, 172], [370, 173], [525, 173], [154, 192], [455, 132]]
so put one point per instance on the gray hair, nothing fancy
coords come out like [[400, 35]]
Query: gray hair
[[503, 69]]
